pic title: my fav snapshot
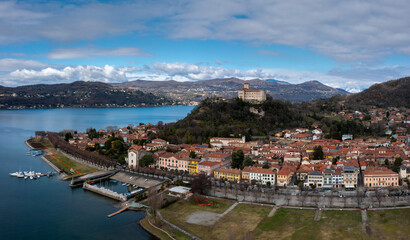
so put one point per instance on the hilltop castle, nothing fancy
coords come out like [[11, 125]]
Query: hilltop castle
[[249, 95]]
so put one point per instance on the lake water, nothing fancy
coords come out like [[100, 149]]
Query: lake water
[[48, 208]]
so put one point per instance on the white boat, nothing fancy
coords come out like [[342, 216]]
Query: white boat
[[31, 177], [17, 174]]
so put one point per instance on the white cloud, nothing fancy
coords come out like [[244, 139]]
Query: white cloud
[[75, 53], [11, 64], [107, 74], [347, 30], [348, 79]]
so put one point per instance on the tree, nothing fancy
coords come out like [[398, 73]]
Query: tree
[[192, 154], [200, 184], [146, 160], [265, 166], [386, 162], [397, 164], [318, 153], [68, 136], [237, 159], [247, 162]]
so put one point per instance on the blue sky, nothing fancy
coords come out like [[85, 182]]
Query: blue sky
[[348, 44]]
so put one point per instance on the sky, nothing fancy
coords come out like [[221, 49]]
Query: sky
[[348, 44]]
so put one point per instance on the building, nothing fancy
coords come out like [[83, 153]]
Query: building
[[193, 166], [262, 175], [229, 174], [180, 191], [224, 159], [246, 94], [171, 161], [160, 141], [284, 177], [292, 157], [349, 175], [380, 177], [135, 153], [217, 142], [153, 146], [315, 179], [208, 167]]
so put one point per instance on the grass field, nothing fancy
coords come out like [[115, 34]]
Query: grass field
[[300, 224], [252, 222], [389, 224], [174, 233], [177, 212], [82, 168]]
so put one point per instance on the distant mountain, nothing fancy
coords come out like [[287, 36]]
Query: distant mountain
[[394, 93], [228, 87], [274, 80], [76, 94]]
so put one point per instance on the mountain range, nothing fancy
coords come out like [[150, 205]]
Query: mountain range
[[228, 87]]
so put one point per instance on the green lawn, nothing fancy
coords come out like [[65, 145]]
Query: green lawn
[[389, 224], [82, 168], [300, 224]]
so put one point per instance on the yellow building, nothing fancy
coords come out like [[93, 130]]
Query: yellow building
[[228, 173], [193, 166]]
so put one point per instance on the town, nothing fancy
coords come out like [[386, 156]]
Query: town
[[300, 157]]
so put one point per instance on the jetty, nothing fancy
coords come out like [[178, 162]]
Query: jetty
[[119, 211], [97, 176]]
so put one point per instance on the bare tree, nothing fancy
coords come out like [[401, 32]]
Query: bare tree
[[304, 195], [379, 196]]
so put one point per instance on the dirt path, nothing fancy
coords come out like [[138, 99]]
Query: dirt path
[[318, 213], [272, 212]]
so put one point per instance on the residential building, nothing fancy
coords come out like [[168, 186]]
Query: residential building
[[315, 179], [229, 174], [292, 157], [380, 177], [350, 175], [193, 166], [172, 161], [217, 142], [223, 158], [208, 167], [284, 177], [262, 175]]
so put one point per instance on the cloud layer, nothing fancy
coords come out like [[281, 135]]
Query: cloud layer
[[180, 71], [348, 30]]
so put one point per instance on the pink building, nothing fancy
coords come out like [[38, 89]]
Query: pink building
[[208, 167], [173, 161]]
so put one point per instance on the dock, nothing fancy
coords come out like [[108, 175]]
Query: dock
[[119, 211], [79, 181]]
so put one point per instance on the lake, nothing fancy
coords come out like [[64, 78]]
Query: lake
[[48, 208]]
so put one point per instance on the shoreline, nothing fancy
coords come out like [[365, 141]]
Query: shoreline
[[94, 107]]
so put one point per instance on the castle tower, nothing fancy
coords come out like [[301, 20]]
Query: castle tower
[[246, 85]]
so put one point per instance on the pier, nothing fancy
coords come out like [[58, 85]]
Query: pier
[[105, 192], [76, 182], [119, 211]]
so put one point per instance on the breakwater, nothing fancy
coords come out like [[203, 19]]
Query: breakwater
[[105, 192]]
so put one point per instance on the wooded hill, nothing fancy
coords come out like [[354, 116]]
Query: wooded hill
[[76, 94], [215, 117]]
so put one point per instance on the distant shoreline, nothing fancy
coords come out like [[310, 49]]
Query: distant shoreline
[[146, 106]]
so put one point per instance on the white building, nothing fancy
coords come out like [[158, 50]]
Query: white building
[[135, 153], [262, 175]]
